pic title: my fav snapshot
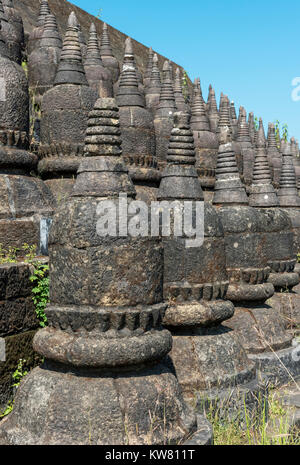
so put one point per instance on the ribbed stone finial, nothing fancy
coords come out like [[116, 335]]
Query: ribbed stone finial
[[212, 110], [148, 72], [93, 52], [44, 11], [105, 48], [51, 36], [229, 189], [262, 192], [288, 193], [128, 91], [224, 114], [179, 178], [167, 98], [199, 119], [274, 156], [243, 132], [252, 129], [155, 80], [70, 68], [179, 98]]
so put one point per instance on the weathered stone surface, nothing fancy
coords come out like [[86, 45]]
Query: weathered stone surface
[[137, 129], [36, 32], [65, 110], [206, 141], [18, 346], [99, 77], [44, 59], [100, 383], [262, 192], [153, 90], [164, 116], [204, 353], [274, 156], [244, 151]]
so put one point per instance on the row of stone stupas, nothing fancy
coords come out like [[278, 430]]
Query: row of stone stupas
[[140, 328], [68, 73]]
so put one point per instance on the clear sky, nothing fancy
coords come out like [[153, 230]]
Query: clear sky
[[250, 50]]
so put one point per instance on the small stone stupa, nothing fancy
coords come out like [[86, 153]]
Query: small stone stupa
[[65, 110], [99, 77], [274, 156], [44, 59], [26, 203], [36, 34], [147, 77], [210, 365], [164, 116], [262, 192], [138, 131], [206, 143], [244, 151], [153, 90], [233, 120], [102, 382], [212, 111], [248, 231], [180, 102], [107, 56]]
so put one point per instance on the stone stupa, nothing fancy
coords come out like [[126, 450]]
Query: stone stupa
[[138, 133], [102, 381], [65, 110], [107, 56], [99, 77]]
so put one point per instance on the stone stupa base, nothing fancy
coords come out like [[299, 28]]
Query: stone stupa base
[[213, 369], [261, 331], [288, 305], [58, 405]]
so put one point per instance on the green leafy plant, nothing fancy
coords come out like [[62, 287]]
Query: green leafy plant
[[8, 255], [99, 15], [277, 132], [256, 123], [285, 132], [40, 291], [17, 376]]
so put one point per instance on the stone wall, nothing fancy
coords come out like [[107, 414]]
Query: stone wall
[[18, 323]]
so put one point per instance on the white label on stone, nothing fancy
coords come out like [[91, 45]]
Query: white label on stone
[[2, 90], [2, 349]]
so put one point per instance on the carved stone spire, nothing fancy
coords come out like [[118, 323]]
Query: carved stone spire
[[167, 98], [245, 154], [164, 116], [180, 164], [128, 91], [137, 129], [107, 56], [213, 114], [148, 73], [37, 32], [99, 77], [70, 69], [274, 156], [181, 105], [206, 142], [224, 114], [229, 189], [42, 62], [82, 41], [252, 129], [154, 89], [262, 192], [233, 119], [199, 119], [44, 11], [288, 193]]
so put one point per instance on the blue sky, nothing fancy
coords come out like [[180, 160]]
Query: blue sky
[[249, 50]]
